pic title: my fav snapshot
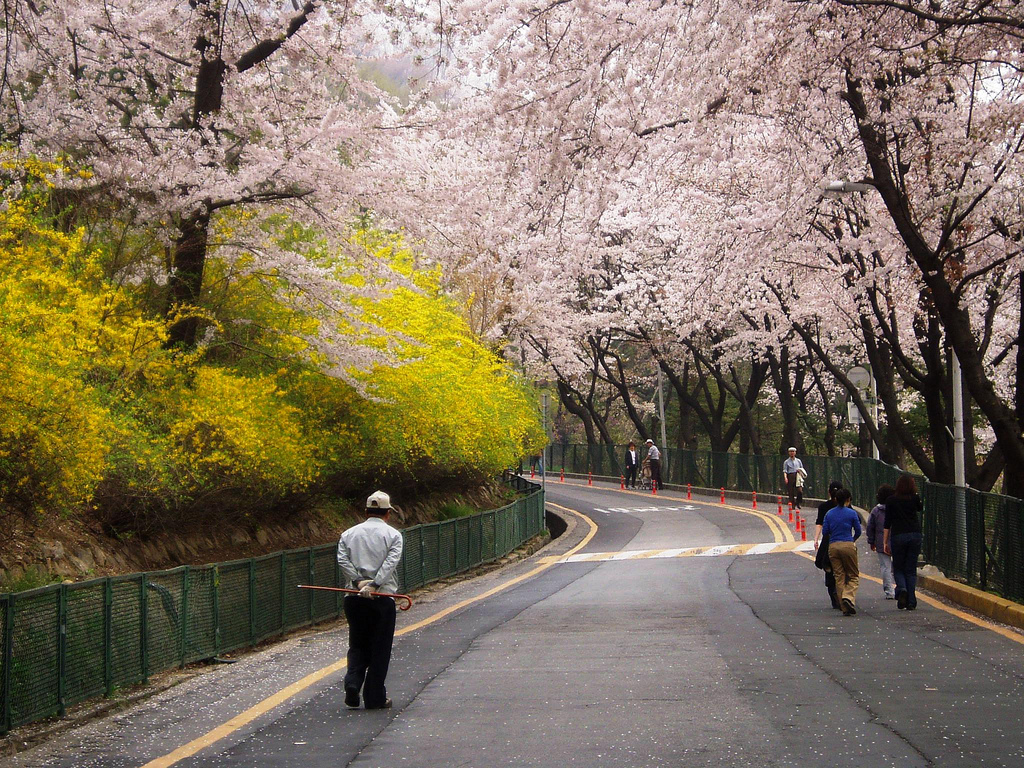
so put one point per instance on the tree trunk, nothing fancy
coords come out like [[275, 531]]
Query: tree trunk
[[186, 282]]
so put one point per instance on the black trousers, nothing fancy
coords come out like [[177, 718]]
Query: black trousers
[[631, 473], [656, 473], [371, 632], [791, 489]]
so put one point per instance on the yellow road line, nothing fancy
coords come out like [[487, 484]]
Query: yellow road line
[[992, 627], [779, 529], [244, 718]]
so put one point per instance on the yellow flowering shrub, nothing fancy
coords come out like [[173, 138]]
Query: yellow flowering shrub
[[96, 415]]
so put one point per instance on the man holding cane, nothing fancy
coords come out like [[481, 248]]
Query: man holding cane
[[368, 554]]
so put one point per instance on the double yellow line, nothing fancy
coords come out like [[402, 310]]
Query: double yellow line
[[244, 718]]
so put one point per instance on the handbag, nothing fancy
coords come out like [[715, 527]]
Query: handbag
[[821, 557]]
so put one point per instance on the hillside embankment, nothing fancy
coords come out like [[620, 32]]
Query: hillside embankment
[[34, 552]]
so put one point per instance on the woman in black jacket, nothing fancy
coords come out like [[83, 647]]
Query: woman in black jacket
[[903, 539]]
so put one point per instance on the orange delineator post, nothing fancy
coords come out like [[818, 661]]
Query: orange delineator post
[[590, 477], [654, 488], [622, 483], [754, 494], [780, 506], [562, 480], [688, 492], [803, 532], [531, 473], [798, 523], [723, 495], [791, 511]]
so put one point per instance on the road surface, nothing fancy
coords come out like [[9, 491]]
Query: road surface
[[642, 638]]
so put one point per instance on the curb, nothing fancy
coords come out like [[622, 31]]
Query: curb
[[994, 607]]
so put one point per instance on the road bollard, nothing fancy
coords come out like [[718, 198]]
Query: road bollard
[[798, 523], [590, 477], [531, 473], [563, 475], [791, 511], [803, 532], [688, 497], [654, 488], [723, 495], [780, 506], [622, 483], [754, 495]]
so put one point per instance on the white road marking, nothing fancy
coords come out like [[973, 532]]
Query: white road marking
[[736, 550]]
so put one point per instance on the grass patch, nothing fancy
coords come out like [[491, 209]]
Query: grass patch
[[453, 509]]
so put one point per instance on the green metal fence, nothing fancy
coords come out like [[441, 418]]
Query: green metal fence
[[977, 537], [66, 643]]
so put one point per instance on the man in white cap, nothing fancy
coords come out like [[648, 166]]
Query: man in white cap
[[654, 457], [791, 467], [368, 554]]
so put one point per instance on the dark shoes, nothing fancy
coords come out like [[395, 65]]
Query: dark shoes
[[901, 600], [848, 607], [385, 705], [352, 698]]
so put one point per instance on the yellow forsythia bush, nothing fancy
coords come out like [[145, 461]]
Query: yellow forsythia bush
[[96, 415]]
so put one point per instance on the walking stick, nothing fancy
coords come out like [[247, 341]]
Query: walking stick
[[406, 598]]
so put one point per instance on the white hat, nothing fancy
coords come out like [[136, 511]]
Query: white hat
[[650, 441], [378, 500], [793, 450]]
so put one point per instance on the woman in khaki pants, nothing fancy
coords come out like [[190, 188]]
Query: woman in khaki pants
[[842, 526]]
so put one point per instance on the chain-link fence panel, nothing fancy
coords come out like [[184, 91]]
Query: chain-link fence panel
[[126, 630], [233, 605], [325, 570], [36, 658], [200, 604], [85, 659], [5, 663], [165, 648]]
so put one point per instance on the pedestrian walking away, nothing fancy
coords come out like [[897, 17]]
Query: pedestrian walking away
[[790, 469], [842, 526], [875, 533], [632, 464], [821, 543], [654, 456], [368, 555], [903, 539]]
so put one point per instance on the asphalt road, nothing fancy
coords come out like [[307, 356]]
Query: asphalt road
[[675, 660]]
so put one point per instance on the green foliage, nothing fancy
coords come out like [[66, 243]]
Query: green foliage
[[96, 414]]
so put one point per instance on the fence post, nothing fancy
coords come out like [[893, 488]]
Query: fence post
[[108, 620], [215, 599], [144, 627], [8, 655], [423, 560], [283, 587], [312, 580], [184, 613], [62, 649], [252, 601]]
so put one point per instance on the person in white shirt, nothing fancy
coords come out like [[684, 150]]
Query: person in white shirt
[[790, 468], [368, 555], [654, 456], [632, 465]]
